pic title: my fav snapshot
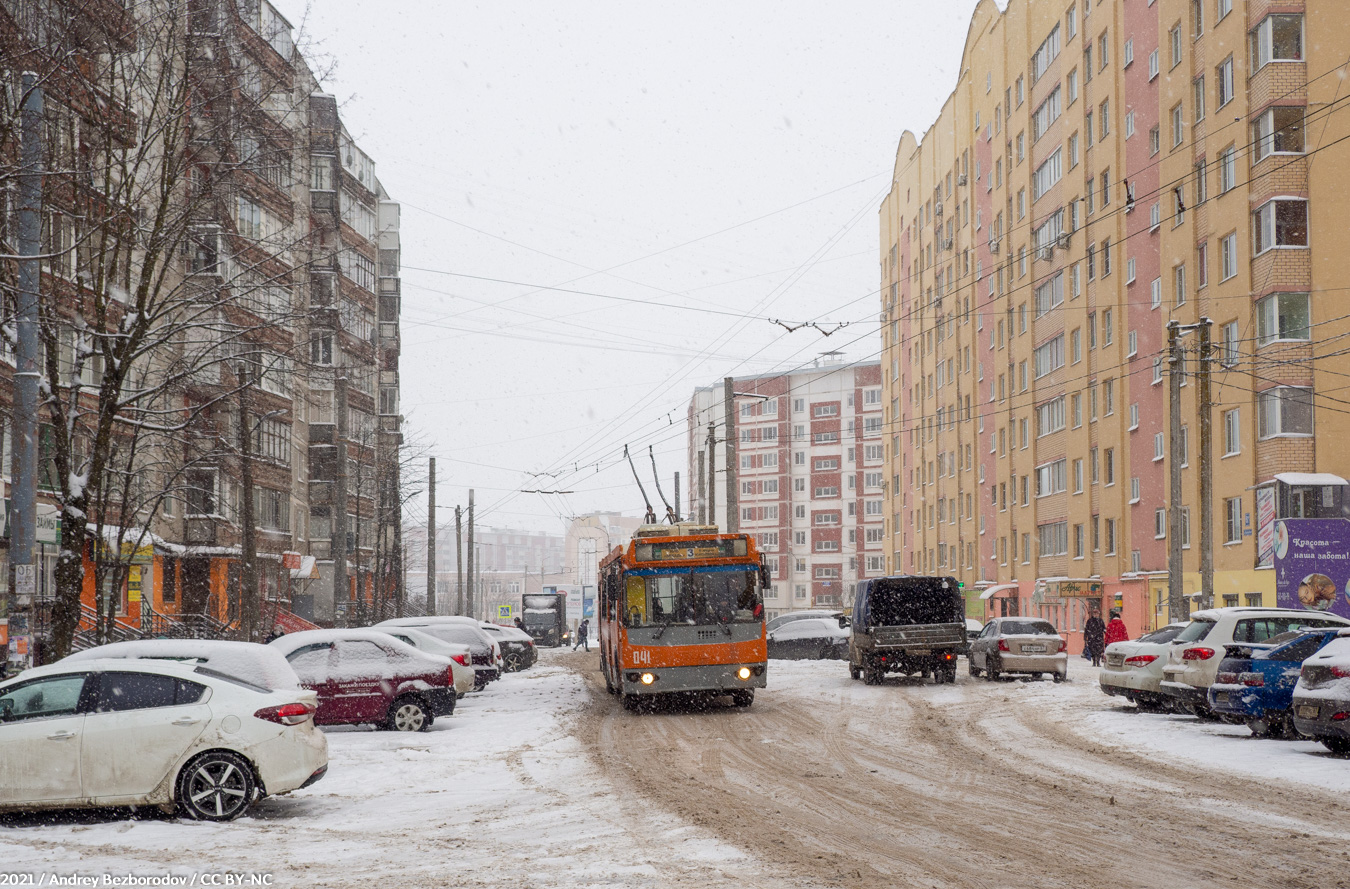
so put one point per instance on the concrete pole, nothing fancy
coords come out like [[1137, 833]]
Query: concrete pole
[[702, 493], [677, 497], [249, 609], [712, 476], [468, 605], [23, 521], [341, 591], [1206, 466], [431, 537], [1177, 609], [729, 413], [459, 562]]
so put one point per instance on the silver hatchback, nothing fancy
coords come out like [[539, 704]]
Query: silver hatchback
[[1019, 645]]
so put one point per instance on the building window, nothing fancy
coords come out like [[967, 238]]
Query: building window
[[1232, 433], [1159, 446], [1054, 539], [1284, 316], [1284, 410], [1198, 98], [1278, 131], [1228, 355], [1178, 126], [1223, 81], [1159, 524], [1279, 38], [1228, 256], [1280, 223], [1232, 508]]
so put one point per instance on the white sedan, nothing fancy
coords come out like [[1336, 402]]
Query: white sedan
[[152, 733], [1134, 669]]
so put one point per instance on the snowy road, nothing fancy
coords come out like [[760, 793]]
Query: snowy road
[[544, 781]]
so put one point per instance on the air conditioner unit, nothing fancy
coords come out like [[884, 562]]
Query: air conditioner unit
[[1046, 253], [961, 180], [937, 208], [993, 246], [1062, 242]]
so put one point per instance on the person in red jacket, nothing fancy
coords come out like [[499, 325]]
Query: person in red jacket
[[1115, 630]]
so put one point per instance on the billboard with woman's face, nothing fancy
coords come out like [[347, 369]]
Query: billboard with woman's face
[[1312, 565]]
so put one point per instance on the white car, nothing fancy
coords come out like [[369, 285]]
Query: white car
[[120, 732], [1134, 669], [461, 656], [487, 652], [1194, 656], [249, 661]]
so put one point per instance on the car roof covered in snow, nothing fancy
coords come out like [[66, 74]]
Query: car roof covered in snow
[[254, 663], [291, 641], [435, 643]]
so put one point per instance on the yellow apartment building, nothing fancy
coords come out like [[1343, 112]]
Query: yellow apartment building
[[1100, 170]]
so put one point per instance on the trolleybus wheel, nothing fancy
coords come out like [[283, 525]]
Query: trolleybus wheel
[[743, 697], [854, 671]]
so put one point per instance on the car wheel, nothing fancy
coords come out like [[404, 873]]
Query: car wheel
[[991, 670], [514, 663], [743, 697], [854, 671], [1261, 727], [408, 715], [216, 786], [970, 668], [1060, 677], [1035, 675], [1336, 745]]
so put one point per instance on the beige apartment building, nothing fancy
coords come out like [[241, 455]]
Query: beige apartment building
[[1100, 169]]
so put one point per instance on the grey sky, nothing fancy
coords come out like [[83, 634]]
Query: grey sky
[[700, 158]]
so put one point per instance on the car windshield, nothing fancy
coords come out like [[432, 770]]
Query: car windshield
[[1195, 631], [693, 597], [1166, 634], [1027, 628]]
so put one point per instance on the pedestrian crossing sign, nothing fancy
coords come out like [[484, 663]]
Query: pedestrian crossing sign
[[504, 612]]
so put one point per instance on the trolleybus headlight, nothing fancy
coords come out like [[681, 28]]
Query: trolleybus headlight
[[743, 672], [648, 678]]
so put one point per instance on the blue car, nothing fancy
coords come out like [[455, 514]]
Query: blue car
[[1255, 683]]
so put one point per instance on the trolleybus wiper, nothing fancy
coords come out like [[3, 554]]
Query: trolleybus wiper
[[657, 634]]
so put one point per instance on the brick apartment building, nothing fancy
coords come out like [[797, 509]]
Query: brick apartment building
[[809, 473], [1101, 168]]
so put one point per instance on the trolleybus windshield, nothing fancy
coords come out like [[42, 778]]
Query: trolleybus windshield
[[706, 596]]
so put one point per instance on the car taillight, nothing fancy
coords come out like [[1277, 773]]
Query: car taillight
[[461, 659], [1341, 716], [1197, 654], [1140, 660], [286, 714], [1226, 678], [1003, 645], [1341, 672], [1252, 680], [450, 676], [1063, 645]]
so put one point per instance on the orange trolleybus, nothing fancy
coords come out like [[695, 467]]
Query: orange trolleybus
[[681, 609]]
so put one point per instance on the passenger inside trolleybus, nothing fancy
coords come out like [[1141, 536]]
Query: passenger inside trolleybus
[[699, 597]]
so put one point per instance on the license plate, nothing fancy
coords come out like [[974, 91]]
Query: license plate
[[1221, 697], [920, 651], [1307, 711], [1115, 660], [1035, 649]]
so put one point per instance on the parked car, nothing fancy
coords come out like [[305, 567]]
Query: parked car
[[486, 657], [1255, 682], [369, 677], [518, 652], [791, 616], [251, 661], [126, 732], [1321, 703], [818, 638], [1019, 645], [461, 656], [973, 629], [1133, 669], [1194, 656]]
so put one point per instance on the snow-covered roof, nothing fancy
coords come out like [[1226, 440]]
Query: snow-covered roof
[[249, 661], [1317, 479], [997, 588]]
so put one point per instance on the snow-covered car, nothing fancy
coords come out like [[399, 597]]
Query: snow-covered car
[[369, 677], [784, 619], [1019, 645], [487, 658], [1194, 655], [518, 652], [129, 732], [1133, 669], [461, 657], [973, 629], [1321, 706], [251, 661], [816, 638], [1255, 682]]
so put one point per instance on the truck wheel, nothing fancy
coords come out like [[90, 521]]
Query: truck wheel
[[950, 676], [873, 675], [853, 671]]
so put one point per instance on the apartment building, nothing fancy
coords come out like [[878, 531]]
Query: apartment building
[[203, 201], [809, 476], [1101, 169]]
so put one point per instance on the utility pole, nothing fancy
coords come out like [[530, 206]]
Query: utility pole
[[1206, 466], [1176, 602], [469, 602], [248, 544], [431, 538], [729, 403], [23, 523], [341, 590], [677, 497], [712, 476], [702, 503], [459, 563]]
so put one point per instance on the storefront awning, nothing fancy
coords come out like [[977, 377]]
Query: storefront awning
[[308, 570], [997, 588], [1310, 479]]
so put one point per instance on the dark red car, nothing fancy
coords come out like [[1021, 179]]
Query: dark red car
[[362, 676]]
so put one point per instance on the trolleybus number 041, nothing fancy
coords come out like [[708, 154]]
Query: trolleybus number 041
[[641, 657]]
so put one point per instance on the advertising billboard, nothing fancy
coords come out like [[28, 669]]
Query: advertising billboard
[[1312, 564]]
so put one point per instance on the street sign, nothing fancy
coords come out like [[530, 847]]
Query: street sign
[[25, 580], [503, 612]]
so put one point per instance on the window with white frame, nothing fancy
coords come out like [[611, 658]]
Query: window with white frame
[[1278, 130], [1050, 294], [1282, 222], [1283, 316], [1278, 38], [1223, 81], [1045, 114], [1232, 510], [1054, 539], [1232, 432], [1051, 478], [1284, 411], [1050, 416], [1049, 356], [1228, 259]]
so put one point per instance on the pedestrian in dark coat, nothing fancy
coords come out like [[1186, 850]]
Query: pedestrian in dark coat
[[1116, 630], [583, 630], [1094, 638]]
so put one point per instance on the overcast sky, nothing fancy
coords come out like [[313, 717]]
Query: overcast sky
[[608, 204]]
